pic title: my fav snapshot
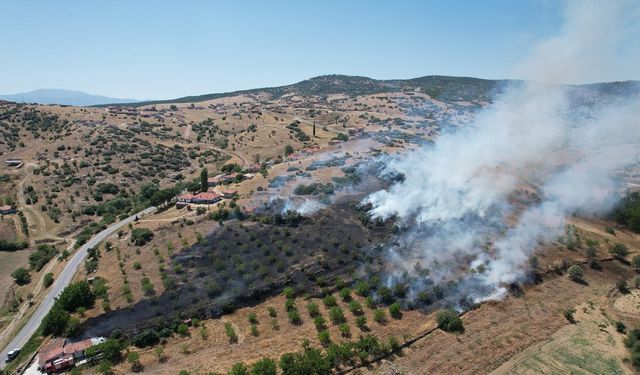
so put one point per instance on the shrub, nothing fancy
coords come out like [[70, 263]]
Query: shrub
[[379, 316], [620, 327], [324, 337], [575, 273], [320, 323], [345, 331], [621, 285], [568, 314], [355, 308], [336, 315], [78, 294], [239, 369], [394, 311], [146, 338], [313, 309], [362, 288], [21, 276], [182, 329], [47, 280], [265, 366], [345, 294], [619, 251], [230, 332], [361, 322], [134, 360], [449, 321], [254, 330], [635, 263], [289, 304], [253, 318], [330, 301], [55, 322], [289, 292], [294, 317], [272, 312], [140, 236]]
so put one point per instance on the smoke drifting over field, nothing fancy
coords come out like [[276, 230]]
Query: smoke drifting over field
[[458, 199]]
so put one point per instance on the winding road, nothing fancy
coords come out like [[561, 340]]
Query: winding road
[[61, 282]]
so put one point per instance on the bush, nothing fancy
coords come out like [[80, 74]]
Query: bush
[[265, 366], [239, 369], [330, 301], [182, 329], [134, 359], [294, 317], [21, 276], [621, 285], [272, 312], [575, 273], [231, 333], [336, 315], [289, 293], [568, 314], [449, 321], [146, 338], [361, 322], [345, 331], [355, 308], [320, 323], [620, 327], [394, 311], [42, 256], [345, 294], [619, 251], [55, 322], [635, 263], [140, 236], [253, 318], [379, 316], [313, 309], [324, 337], [78, 294], [47, 280]]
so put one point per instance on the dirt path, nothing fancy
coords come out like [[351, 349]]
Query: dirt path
[[38, 224]]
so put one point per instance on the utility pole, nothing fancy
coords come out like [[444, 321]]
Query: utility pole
[[314, 128]]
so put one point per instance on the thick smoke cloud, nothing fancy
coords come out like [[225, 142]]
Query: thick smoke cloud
[[553, 145]]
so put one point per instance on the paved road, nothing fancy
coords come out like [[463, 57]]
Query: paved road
[[61, 282]]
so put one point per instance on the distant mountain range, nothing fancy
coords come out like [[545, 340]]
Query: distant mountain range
[[64, 97], [444, 88]]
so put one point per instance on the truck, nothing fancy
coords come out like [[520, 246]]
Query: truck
[[12, 355]]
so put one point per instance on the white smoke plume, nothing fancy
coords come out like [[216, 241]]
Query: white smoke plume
[[458, 195]]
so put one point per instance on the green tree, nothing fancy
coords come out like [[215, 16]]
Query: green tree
[[449, 321], [140, 236], [47, 280], [239, 369], [635, 263], [288, 150], [78, 294], [265, 366], [204, 176], [575, 273], [55, 322], [21, 276], [619, 251]]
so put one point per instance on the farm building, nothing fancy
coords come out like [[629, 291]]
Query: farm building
[[229, 194], [200, 198]]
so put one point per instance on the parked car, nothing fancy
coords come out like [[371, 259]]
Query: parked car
[[12, 355]]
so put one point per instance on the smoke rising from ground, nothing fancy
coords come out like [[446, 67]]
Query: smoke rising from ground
[[539, 141]]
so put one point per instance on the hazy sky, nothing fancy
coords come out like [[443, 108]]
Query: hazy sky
[[167, 49]]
